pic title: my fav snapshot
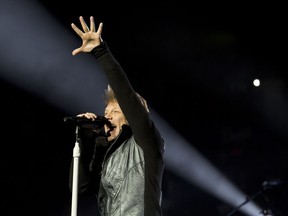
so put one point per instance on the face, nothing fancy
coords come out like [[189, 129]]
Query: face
[[115, 115]]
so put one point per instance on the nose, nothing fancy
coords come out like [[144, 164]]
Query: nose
[[107, 116]]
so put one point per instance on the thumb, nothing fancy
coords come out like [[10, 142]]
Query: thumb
[[76, 51]]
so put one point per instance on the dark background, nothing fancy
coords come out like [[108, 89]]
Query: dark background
[[195, 67]]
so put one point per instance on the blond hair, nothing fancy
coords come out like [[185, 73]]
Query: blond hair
[[110, 96]]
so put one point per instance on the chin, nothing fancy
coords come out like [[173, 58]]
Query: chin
[[110, 138]]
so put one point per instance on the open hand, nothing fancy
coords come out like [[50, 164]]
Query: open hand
[[90, 37]]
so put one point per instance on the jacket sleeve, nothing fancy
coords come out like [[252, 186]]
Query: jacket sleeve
[[144, 131]]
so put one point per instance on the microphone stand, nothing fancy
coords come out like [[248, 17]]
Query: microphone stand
[[234, 210], [83, 122], [265, 186], [76, 156]]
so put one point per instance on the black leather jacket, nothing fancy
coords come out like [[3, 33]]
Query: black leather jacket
[[131, 167]]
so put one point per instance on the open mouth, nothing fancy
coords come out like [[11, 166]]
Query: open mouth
[[111, 127]]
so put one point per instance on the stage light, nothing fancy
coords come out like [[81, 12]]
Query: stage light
[[256, 82]]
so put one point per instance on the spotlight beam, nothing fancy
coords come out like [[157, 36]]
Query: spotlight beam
[[36, 59]]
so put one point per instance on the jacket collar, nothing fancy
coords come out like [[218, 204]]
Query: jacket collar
[[124, 134]]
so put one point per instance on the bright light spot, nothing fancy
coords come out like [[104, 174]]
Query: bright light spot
[[256, 82]]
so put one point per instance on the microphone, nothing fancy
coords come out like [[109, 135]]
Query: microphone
[[84, 122], [272, 183]]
